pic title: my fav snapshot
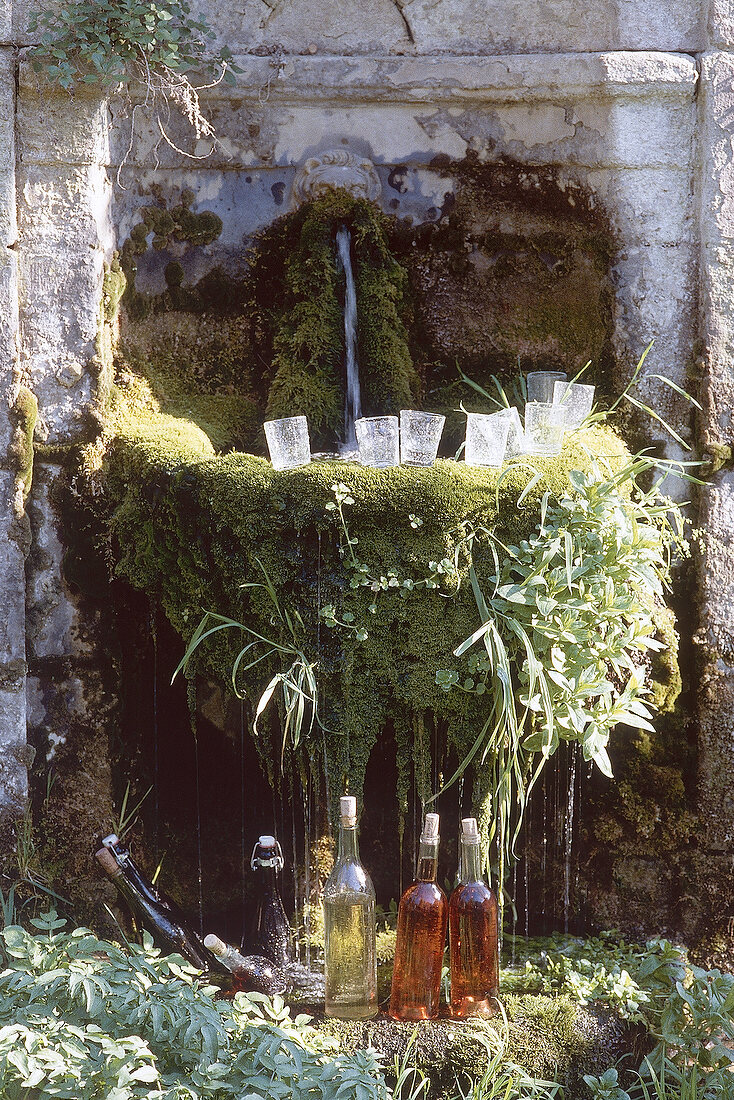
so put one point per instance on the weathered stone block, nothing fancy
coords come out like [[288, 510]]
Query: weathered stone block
[[7, 108], [473, 26], [55, 626], [63, 225], [14, 754], [12, 578], [57, 128]]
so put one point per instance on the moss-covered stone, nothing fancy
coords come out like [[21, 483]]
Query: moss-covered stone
[[550, 1037], [24, 414], [307, 321], [179, 508]]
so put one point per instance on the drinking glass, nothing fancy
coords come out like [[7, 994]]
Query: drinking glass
[[288, 442], [486, 438], [420, 435], [540, 384], [545, 424], [577, 399], [378, 440], [516, 436]]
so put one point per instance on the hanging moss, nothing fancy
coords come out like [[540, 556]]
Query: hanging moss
[[23, 415], [192, 528], [307, 329]]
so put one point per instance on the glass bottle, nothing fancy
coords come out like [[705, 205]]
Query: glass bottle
[[270, 934], [422, 915], [249, 972], [157, 912], [473, 933], [350, 955]]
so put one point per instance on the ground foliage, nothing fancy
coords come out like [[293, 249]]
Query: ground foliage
[[688, 1011], [82, 1017]]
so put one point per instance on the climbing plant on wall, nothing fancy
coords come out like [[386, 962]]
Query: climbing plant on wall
[[110, 43]]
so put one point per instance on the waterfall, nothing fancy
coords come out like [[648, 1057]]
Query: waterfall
[[352, 403]]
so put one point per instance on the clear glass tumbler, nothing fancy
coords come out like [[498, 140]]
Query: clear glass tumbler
[[288, 442], [420, 435], [577, 399], [516, 436], [378, 440], [540, 384], [486, 438], [545, 425]]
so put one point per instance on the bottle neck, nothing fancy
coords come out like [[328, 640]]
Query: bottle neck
[[348, 848], [268, 881], [470, 863], [427, 861]]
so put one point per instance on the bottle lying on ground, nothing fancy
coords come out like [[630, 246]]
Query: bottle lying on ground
[[473, 933], [270, 935], [350, 956], [250, 973], [422, 914], [157, 912]]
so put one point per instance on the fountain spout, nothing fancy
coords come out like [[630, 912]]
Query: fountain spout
[[352, 400]]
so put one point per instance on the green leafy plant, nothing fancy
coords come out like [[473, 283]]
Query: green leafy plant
[[110, 43], [83, 1018], [297, 680]]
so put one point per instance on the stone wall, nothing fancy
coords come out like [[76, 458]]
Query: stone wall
[[626, 102]]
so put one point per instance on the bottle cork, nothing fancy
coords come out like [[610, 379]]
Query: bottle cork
[[430, 828], [108, 862], [348, 810], [215, 945], [469, 830]]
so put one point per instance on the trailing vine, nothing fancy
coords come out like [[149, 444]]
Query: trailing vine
[[107, 44]]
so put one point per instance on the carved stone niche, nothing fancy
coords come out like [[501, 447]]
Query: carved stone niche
[[336, 168]]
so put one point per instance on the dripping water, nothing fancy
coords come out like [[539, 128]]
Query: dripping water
[[243, 828], [195, 732], [156, 796], [526, 883], [568, 836], [353, 400], [544, 851]]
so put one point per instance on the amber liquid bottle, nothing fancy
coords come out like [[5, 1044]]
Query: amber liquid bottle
[[422, 914], [473, 934]]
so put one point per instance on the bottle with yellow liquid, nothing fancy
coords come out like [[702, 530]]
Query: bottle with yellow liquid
[[349, 928]]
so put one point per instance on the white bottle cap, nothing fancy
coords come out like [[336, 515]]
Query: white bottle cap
[[215, 945], [469, 830], [111, 840], [348, 810], [266, 841], [430, 828]]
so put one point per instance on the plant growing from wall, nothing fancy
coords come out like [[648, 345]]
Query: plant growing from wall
[[107, 44]]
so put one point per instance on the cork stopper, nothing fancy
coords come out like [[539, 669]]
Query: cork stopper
[[430, 829], [348, 811], [108, 862], [266, 841], [469, 830], [215, 945]]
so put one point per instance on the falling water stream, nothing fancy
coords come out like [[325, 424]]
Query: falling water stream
[[353, 400]]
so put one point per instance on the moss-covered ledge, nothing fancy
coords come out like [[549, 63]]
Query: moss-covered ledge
[[358, 576], [553, 1038]]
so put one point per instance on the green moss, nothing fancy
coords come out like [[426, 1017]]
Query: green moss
[[306, 327], [113, 287], [24, 414], [550, 1037], [178, 509]]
